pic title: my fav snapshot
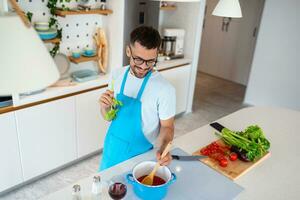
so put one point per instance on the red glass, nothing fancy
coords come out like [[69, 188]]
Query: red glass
[[117, 191]]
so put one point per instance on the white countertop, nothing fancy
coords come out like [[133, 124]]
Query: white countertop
[[52, 92], [275, 178]]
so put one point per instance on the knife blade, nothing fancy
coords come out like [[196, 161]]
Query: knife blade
[[187, 158]]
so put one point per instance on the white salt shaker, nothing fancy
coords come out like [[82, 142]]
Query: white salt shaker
[[96, 187]]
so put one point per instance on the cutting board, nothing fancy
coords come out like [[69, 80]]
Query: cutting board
[[195, 181], [234, 169]]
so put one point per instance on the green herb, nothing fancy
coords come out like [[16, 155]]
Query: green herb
[[55, 49], [112, 113], [29, 16], [252, 140]]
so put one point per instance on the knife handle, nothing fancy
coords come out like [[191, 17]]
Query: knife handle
[[175, 157], [217, 126]]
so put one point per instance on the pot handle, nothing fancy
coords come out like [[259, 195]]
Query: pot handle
[[173, 179], [129, 178]]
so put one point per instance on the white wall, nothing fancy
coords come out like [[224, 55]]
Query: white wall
[[274, 78], [188, 16], [131, 19], [130, 22], [229, 54]]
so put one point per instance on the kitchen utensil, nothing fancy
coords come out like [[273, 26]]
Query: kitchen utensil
[[148, 180], [62, 63], [41, 26], [187, 158], [47, 35], [88, 55], [217, 126], [148, 192], [168, 45], [173, 43], [76, 54], [102, 49], [89, 51], [84, 75]]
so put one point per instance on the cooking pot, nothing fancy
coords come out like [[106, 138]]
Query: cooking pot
[[146, 191]]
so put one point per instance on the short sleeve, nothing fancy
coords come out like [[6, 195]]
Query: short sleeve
[[167, 103]]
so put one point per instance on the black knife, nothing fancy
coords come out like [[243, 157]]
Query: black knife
[[187, 158], [217, 126]]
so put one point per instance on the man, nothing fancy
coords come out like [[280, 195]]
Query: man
[[149, 103]]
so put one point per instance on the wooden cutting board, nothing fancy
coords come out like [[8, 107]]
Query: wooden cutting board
[[234, 169]]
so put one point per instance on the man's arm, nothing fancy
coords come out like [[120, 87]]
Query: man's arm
[[166, 134]]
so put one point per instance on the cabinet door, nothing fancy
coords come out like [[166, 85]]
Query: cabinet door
[[179, 77], [47, 136], [10, 167], [91, 127]]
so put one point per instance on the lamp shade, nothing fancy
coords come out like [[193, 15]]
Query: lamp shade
[[25, 63], [228, 8]]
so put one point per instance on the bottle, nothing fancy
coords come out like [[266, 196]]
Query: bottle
[[76, 194], [103, 5], [96, 188]]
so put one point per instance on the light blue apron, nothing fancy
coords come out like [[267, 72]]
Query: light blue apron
[[125, 138]]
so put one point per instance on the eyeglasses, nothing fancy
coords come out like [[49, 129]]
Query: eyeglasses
[[140, 61]]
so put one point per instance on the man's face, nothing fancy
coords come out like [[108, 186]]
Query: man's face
[[142, 60]]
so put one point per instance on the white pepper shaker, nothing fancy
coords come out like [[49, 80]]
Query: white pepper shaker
[[96, 187]]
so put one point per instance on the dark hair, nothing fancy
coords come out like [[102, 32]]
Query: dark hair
[[147, 36]]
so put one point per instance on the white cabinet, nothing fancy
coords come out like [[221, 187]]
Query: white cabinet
[[47, 136], [179, 77], [91, 127], [10, 166]]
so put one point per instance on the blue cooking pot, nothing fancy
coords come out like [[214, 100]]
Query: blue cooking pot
[[147, 192]]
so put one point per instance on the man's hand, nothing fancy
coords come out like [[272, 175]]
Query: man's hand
[[165, 136], [163, 161], [106, 101]]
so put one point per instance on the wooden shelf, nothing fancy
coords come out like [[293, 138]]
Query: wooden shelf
[[6, 109], [82, 59], [63, 13], [54, 41], [168, 8]]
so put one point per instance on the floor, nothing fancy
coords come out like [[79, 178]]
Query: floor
[[214, 98]]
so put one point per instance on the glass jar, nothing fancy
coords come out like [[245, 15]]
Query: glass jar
[[76, 194]]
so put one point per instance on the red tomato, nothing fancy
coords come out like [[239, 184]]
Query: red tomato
[[233, 156], [223, 162]]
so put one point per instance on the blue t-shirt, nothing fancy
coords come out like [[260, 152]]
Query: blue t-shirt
[[158, 99]]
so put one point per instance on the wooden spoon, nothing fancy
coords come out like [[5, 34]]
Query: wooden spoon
[[148, 180]]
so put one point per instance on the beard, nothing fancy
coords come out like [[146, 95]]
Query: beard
[[138, 74]]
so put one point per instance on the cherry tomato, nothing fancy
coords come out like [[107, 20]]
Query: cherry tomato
[[233, 156], [223, 162]]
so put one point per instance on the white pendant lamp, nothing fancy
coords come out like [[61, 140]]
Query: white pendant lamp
[[25, 63], [228, 8]]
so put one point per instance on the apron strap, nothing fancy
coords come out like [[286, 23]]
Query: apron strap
[[143, 85], [124, 81]]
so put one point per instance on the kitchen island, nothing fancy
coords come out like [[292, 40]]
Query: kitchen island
[[275, 178]]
